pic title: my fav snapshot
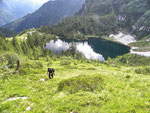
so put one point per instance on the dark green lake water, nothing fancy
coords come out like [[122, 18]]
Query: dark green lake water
[[91, 48], [108, 48]]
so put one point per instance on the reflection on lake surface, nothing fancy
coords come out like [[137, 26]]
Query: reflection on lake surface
[[93, 48], [82, 47]]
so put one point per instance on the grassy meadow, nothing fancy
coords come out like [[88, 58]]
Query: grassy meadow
[[82, 86], [119, 85]]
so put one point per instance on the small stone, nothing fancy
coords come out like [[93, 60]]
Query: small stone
[[42, 79], [28, 108], [73, 112], [16, 98], [23, 98]]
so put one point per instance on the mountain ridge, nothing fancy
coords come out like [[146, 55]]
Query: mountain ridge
[[11, 10], [99, 17], [50, 13], [95, 17]]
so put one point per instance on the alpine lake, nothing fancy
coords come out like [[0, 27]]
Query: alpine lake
[[93, 48]]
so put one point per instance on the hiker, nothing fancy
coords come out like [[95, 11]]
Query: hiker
[[51, 72]]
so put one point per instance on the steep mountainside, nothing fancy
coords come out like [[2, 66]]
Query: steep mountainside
[[6, 16], [133, 15], [50, 13], [7, 33], [11, 10], [103, 17]]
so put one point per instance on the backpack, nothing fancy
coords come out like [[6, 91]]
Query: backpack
[[51, 70]]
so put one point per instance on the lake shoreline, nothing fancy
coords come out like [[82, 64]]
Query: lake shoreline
[[126, 39], [91, 48]]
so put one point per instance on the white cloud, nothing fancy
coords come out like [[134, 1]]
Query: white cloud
[[58, 45], [84, 48], [88, 52], [37, 2], [30, 3]]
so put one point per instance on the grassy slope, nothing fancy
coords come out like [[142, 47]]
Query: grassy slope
[[142, 45], [121, 89]]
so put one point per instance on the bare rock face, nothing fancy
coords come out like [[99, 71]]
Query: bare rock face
[[96, 17], [104, 17], [123, 38]]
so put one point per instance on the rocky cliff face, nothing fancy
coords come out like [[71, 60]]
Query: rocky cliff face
[[102, 17], [95, 17], [134, 16]]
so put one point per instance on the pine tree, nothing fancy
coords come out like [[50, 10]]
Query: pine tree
[[72, 49], [1, 34]]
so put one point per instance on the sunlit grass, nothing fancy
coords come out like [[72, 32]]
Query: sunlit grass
[[119, 88]]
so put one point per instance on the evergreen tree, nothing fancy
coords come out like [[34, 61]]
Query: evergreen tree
[[30, 41], [25, 47], [36, 53], [16, 45], [72, 49], [1, 34]]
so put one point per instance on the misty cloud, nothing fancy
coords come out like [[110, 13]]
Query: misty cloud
[[21, 7], [82, 47]]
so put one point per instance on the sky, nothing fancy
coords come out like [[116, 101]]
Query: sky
[[37, 1], [31, 3], [18, 8], [34, 2], [21, 7], [27, 1]]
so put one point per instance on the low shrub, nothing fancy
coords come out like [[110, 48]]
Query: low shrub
[[133, 60], [128, 76], [23, 71], [35, 64], [145, 70], [29, 71], [38, 64], [49, 63], [92, 68], [82, 82], [10, 59], [65, 62]]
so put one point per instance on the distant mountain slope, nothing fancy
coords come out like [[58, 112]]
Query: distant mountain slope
[[50, 13], [7, 33], [103, 17], [134, 16], [6, 16], [11, 10]]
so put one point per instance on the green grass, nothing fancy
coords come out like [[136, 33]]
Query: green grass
[[81, 86], [142, 45], [81, 83]]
